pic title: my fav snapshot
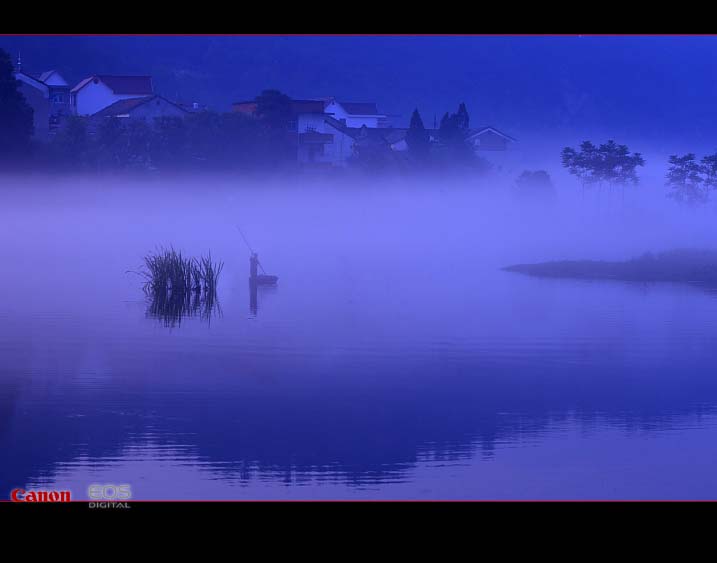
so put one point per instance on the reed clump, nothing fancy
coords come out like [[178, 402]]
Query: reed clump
[[180, 286]]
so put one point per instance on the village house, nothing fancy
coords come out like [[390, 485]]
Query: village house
[[355, 114], [146, 109], [489, 139], [48, 94], [102, 90], [482, 139], [326, 131]]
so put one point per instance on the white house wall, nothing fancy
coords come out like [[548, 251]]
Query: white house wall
[[94, 97], [341, 149], [371, 121], [337, 111], [360, 120]]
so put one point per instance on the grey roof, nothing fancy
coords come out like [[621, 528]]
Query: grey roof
[[479, 130], [122, 107]]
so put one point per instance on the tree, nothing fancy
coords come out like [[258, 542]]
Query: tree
[[582, 163], [462, 118], [610, 164], [536, 186], [110, 145], [169, 142], [616, 166], [684, 178], [274, 108], [453, 134], [70, 145], [16, 128], [417, 137], [138, 137], [709, 169]]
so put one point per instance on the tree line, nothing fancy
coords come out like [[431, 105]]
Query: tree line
[[609, 164], [447, 147], [690, 181], [207, 140], [204, 140]]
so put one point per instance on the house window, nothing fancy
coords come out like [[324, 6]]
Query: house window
[[292, 125], [310, 128]]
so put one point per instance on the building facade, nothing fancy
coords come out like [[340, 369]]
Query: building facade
[[355, 114], [97, 92], [49, 96]]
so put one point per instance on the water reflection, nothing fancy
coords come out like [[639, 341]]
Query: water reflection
[[256, 289], [171, 307], [252, 297], [369, 420]]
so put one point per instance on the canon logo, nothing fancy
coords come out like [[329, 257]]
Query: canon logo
[[20, 495]]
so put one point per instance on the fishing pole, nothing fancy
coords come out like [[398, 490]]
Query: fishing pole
[[249, 247]]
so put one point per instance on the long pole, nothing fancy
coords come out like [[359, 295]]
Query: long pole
[[250, 248]]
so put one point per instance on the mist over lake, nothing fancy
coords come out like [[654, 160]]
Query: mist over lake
[[394, 359]]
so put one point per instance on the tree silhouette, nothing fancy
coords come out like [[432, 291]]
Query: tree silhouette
[[709, 169], [274, 108], [417, 137], [453, 135], [16, 128], [684, 178], [610, 164]]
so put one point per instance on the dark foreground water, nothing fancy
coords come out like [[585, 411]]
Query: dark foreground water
[[393, 361]]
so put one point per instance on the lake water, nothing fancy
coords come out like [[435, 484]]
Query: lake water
[[394, 360]]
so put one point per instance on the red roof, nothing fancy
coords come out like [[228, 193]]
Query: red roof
[[297, 107], [121, 85]]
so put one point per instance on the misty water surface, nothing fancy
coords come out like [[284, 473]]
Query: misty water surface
[[393, 360]]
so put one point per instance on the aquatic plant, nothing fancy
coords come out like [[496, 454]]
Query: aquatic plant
[[180, 286]]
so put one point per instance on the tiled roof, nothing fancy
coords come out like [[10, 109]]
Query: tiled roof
[[122, 107], [481, 130]]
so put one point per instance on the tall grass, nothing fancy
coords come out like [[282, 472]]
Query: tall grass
[[180, 286]]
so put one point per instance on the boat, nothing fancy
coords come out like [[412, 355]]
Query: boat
[[264, 279]]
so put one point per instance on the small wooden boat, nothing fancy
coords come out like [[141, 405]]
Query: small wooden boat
[[264, 279]]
